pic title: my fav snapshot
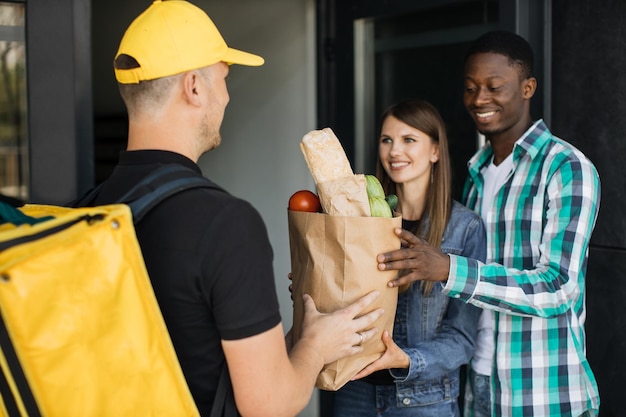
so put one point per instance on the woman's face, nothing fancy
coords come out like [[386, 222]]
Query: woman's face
[[406, 153]]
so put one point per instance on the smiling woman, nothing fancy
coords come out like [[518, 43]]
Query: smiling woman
[[419, 373], [13, 114]]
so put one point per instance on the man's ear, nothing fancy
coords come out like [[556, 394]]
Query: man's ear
[[529, 87], [192, 86]]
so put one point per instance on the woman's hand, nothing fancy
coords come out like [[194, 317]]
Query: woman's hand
[[394, 357]]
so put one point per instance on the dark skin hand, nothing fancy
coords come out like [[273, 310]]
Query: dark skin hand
[[417, 261]]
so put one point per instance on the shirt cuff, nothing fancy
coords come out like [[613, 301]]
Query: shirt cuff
[[463, 278], [417, 364]]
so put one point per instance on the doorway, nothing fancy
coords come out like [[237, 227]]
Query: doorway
[[373, 54]]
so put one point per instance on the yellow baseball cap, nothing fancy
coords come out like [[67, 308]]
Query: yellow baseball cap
[[174, 36]]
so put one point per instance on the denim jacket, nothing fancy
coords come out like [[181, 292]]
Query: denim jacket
[[436, 331]]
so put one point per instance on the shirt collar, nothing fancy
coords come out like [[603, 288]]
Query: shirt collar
[[155, 156], [531, 142]]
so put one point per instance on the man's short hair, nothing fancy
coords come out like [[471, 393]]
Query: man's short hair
[[513, 46], [145, 96]]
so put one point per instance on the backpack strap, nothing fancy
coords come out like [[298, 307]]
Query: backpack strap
[[86, 200], [224, 402], [11, 214], [155, 187], [147, 184], [142, 205]]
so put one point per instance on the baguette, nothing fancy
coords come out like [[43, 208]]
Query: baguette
[[341, 192], [325, 156]]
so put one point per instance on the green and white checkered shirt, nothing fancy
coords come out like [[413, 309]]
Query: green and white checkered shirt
[[534, 280]]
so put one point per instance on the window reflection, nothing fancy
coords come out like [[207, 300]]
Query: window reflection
[[13, 115]]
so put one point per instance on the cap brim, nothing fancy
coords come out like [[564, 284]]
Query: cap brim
[[235, 56]]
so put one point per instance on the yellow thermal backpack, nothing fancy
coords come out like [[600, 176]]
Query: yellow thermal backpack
[[81, 333]]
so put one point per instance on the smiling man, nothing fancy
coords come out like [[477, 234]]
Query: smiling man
[[539, 198]]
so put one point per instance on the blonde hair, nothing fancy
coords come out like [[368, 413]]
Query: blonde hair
[[423, 116], [145, 96]]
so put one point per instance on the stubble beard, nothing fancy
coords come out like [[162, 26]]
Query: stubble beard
[[209, 136], [487, 131]]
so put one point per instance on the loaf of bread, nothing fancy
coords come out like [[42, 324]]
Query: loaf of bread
[[341, 192], [325, 156]]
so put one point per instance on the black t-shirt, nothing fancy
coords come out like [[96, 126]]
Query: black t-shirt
[[210, 262]]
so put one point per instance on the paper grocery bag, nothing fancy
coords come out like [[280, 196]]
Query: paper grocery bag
[[333, 259], [345, 196]]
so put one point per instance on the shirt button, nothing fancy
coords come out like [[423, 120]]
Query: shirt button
[[457, 296], [406, 401]]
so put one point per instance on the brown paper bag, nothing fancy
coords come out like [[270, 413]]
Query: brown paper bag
[[345, 196], [333, 259]]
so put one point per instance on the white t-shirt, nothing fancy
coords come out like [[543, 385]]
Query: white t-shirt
[[495, 177]]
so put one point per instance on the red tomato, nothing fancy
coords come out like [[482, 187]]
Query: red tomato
[[304, 200]]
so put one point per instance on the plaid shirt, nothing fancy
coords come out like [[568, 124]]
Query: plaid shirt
[[534, 280]]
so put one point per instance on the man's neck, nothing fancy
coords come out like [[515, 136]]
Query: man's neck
[[161, 136], [501, 150], [503, 143]]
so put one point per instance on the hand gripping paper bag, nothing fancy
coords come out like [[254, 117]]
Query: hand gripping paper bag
[[333, 259]]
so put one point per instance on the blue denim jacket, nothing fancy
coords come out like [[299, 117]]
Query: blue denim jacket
[[436, 331]]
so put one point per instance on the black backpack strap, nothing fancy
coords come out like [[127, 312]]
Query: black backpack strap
[[159, 185], [16, 372], [144, 204], [224, 401], [155, 179], [86, 200], [155, 187]]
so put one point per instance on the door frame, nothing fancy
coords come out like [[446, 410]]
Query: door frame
[[336, 72], [59, 91], [336, 94]]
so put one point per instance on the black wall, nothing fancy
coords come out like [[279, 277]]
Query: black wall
[[589, 110]]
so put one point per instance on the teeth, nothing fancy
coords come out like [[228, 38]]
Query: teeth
[[488, 114], [398, 164]]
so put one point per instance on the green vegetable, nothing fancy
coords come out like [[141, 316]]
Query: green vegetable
[[392, 200], [379, 204], [374, 189], [379, 207]]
